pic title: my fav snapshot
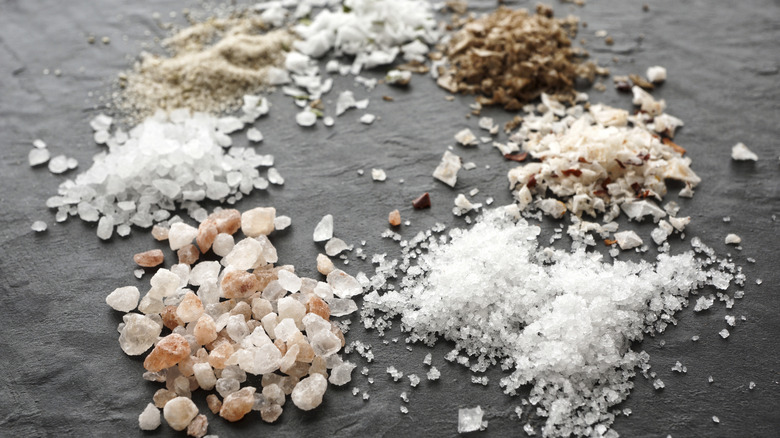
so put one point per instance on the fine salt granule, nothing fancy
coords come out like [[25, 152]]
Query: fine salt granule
[[560, 320]]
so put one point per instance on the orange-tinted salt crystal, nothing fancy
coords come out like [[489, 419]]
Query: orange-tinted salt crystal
[[149, 259], [207, 232], [394, 218], [220, 354], [242, 308], [185, 366], [160, 233], [265, 275], [226, 221], [205, 330], [188, 255], [238, 404], [318, 306], [169, 317], [281, 346], [306, 352], [318, 365], [298, 369], [198, 426], [239, 284], [214, 403], [169, 351]]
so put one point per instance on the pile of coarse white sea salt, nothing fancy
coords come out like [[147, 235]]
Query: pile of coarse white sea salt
[[562, 321], [168, 161]]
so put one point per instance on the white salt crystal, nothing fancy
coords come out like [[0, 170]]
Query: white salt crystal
[[58, 164], [124, 299], [37, 157], [715, 419], [343, 284], [740, 152], [335, 246], [38, 226], [138, 273], [433, 374], [378, 175], [289, 281], [72, 163], [179, 412], [469, 420], [724, 333], [324, 229], [414, 380], [466, 138], [341, 306], [341, 374], [656, 74], [752, 385], [254, 135], [469, 165], [138, 334], [428, 358], [101, 122], [274, 177], [223, 244], [628, 239], [394, 373], [149, 418], [257, 221], [447, 170], [328, 121], [308, 393], [282, 222], [180, 235], [703, 303], [306, 118], [367, 119], [733, 239], [105, 227], [38, 143], [404, 410]]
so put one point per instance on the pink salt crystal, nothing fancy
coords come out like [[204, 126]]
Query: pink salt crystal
[[258, 221], [198, 426], [149, 259], [205, 330], [190, 308], [160, 233], [239, 284], [207, 232], [214, 403], [238, 404], [188, 255], [169, 317], [220, 354], [167, 353], [227, 221], [318, 306]]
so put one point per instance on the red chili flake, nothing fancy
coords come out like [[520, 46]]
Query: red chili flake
[[610, 242], [517, 157], [531, 182], [606, 182], [424, 201], [674, 146], [644, 157], [575, 172], [600, 192], [644, 194], [637, 188], [622, 166], [583, 160]]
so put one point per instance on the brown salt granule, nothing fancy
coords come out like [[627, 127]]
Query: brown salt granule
[[169, 317], [394, 218], [317, 306], [149, 259], [207, 232], [198, 426], [188, 255], [214, 403], [190, 309], [238, 404], [220, 354], [510, 57], [163, 396], [423, 201], [167, 353], [210, 67], [239, 284]]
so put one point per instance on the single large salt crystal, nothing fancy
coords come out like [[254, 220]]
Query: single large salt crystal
[[733, 239], [198, 426], [341, 374], [179, 412], [447, 170], [628, 239], [149, 418], [149, 259], [180, 235], [204, 374], [335, 246], [656, 74], [740, 152], [470, 420], [190, 308], [36, 157], [637, 210], [246, 254], [324, 229], [169, 351], [164, 283], [105, 227], [308, 393], [138, 334], [223, 244], [466, 138], [324, 264], [343, 284], [289, 281], [282, 222], [124, 299], [258, 221], [238, 404]]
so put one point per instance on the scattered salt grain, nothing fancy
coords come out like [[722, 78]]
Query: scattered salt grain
[[724, 333], [656, 74], [752, 385], [149, 418], [105, 227], [38, 226], [466, 138], [254, 135], [324, 229], [715, 419], [740, 152], [306, 118], [628, 239], [733, 239], [328, 121], [394, 373], [447, 170], [124, 299], [367, 119], [378, 175], [335, 246], [282, 222], [58, 164], [36, 157], [274, 177], [470, 420]]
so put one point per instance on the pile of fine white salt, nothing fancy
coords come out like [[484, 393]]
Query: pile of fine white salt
[[561, 321], [166, 162]]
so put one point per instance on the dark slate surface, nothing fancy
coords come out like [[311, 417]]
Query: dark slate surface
[[64, 374]]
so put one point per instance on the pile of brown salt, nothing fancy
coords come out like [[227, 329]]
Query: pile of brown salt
[[211, 66], [510, 57], [251, 317]]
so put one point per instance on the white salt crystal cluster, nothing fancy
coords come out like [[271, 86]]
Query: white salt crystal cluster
[[559, 320], [597, 159], [164, 163]]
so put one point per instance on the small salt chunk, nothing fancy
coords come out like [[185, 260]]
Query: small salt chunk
[[341, 374], [733, 239], [124, 299], [58, 164], [179, 412], [38, 143], [752, 385], [335, 246], [36, 157], [181, 235], [274, 177], [306, 118], [257, 221], [724, 333], [466, 138], [447, 170], [470, 420], [101, 122], [715, 419], [324, 229], [138, 273], [308, 393], [328, 121], [289, 281], [628, 239], [38, 226], [105, 227], [367, 119], [433, 374], [343, 284], [282, 222], [398, 77], [740, 152], [254, 135], [341, 306], [656, 74], [149, 418], [378, 175]]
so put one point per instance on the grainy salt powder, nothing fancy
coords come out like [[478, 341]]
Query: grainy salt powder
[[543, 313]]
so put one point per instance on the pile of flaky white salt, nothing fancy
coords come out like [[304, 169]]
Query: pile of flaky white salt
[[561, 321]]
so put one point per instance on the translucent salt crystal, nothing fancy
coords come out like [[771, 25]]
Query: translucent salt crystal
[[715, 419], [138, 334], [58, 164], [36, 157], [752, 385], [404, 410], [325, 343], [724, 333], [274, 177], [223, 244], [38, 226], [324, 265], [306, 118], [414, 380], [343, 284], [342, 307], [367, 119], [341, 374], [181, 235], [282, 222], [637, 210], [731, 320], [733, 239], [447, 170], [469, 420], [378, 175], [658, 384], [346, 100], [258, 221], [466, 138], [227, 385], [308, 393], [628, 239], [324, 229], [428, 359], [254, 135], [740, 152], [710, 379], [149, 418], [124, 299], [292, 309], [105, 227], [138, 273], [335, 246], [72, 163], [289, 281], [703, 303], [179, 412]]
